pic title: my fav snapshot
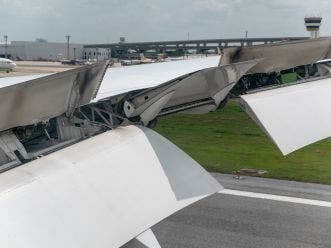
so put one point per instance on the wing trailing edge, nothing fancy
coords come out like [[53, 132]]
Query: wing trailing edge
[[292, 116], [101, 192], [39, 99]]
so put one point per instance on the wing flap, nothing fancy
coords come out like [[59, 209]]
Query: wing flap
[[101, 192], [198, 92], [293, 116], [119, 80], [280, 56], [42, 98]]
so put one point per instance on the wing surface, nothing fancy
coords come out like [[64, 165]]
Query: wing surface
[[119, 80], [9, 81], [101, 192], [293, 116], [145, 240], [280, 56], [42, 98]]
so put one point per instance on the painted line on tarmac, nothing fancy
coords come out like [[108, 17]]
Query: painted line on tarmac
[[276, 197]]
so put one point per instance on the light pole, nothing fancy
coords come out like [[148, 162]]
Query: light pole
[[68, 40], [186, 50], [6, 39], [246, 34]]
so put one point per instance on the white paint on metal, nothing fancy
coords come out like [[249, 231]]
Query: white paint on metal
[[101, 192], [148, 239], [293, 116], [41, 99], [152, 111], [9, 81], [120, 80], [276, 198], [145, 240]]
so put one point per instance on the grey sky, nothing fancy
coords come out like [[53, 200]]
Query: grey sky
[[145, 20]]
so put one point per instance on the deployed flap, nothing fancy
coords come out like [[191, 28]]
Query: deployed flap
[[101, 192], [119, 80], [293, 116], [210, 84], [145, 240], [42, 98], [201, 91], [280, 56]]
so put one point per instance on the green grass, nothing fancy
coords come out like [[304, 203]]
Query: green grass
[[229, 140]]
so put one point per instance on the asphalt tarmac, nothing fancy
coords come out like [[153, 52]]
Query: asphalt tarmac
[[282, 214]]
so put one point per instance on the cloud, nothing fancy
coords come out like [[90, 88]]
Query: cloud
[[144, 20]]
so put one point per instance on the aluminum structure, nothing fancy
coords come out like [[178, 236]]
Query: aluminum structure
[[79, 166], [280, 56], [293, 116], [101, 192]]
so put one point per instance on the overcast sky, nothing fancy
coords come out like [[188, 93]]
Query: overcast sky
[[98, 21]]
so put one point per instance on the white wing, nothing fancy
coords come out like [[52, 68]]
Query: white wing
[[293, 116], [145, 240], [111, 186], [101, 192], [119, 80]]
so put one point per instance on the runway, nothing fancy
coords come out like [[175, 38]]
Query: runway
[[253, 212]]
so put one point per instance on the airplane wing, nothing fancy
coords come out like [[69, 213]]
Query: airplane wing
[[101, 192], [145, 240], [280, 56], [39, 98], [293, 116], [119, 80], [171, 87], [71, 176], [79, 167]]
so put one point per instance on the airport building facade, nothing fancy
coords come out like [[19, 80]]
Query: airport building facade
[[50, 51]]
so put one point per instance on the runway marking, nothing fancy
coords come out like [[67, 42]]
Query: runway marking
[[276, 197]]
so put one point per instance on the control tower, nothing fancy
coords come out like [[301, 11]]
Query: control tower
[[313, 24]]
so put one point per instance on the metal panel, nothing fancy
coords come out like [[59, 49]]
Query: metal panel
[[207, 83], [293, 116], [280, 56], [39, 99], [198, 92], [9, 81], [101, 192], [119, 80], [145, 240]]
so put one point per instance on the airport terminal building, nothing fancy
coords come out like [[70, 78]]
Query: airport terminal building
[[42, 50]]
